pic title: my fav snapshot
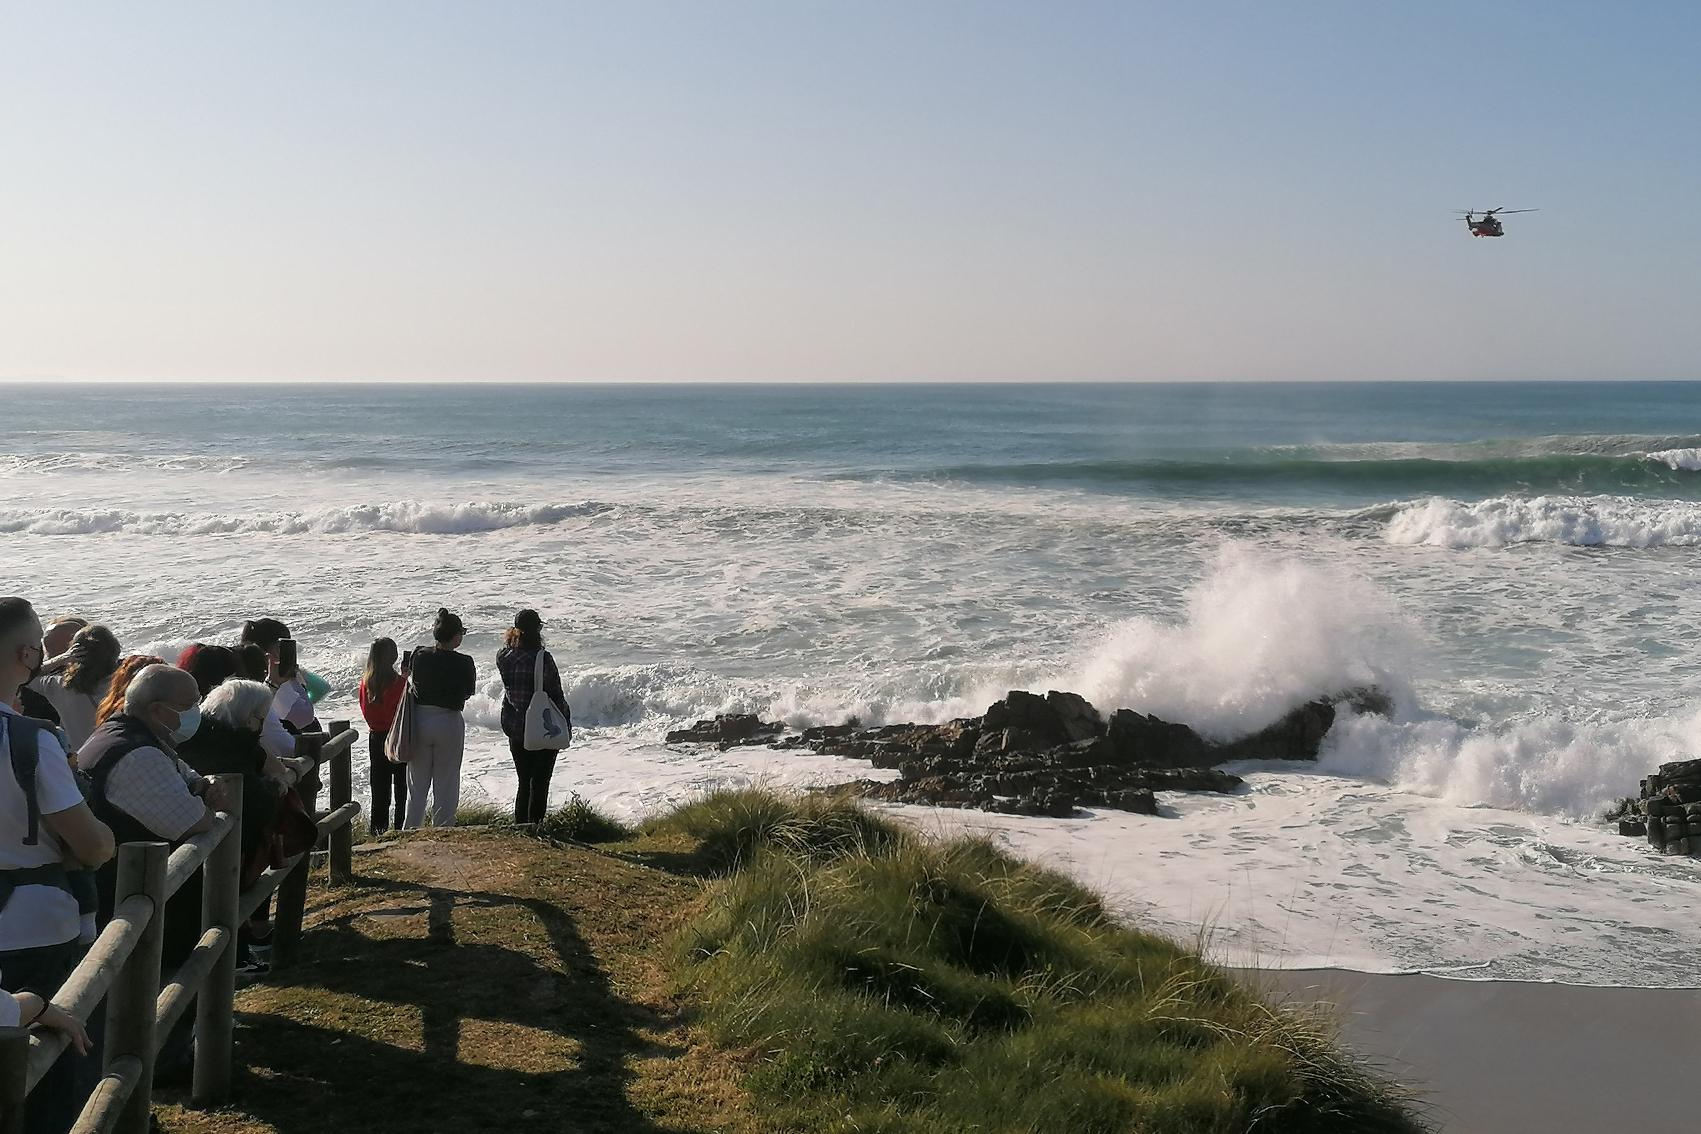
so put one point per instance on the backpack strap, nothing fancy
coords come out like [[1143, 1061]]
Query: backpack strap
[[24, 736]]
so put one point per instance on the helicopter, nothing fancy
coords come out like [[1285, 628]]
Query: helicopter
[[1489, 224]]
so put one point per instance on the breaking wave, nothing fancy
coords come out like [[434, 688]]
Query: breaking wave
[[1547, 765], [1603, 521], [1573, 465], [62, 463], [404, 516]]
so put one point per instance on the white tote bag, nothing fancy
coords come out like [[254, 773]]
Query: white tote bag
[[404, 730], [548, 727]]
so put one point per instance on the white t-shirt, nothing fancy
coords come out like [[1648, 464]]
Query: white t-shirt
[[275, 738], [36, 916], [292, 703]]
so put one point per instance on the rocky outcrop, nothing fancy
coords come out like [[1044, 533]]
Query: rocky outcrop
[[1668, 811], [728, 730], [1045, 755]]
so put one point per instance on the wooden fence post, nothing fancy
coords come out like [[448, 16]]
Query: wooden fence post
[[221, 891], [291, 907], [342, 791], [131, 1002], [291, 900], [14, 1078]]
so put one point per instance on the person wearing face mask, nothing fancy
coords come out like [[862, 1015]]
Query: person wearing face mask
[[145, 793], [54, 641], [47, 831], [140, 787]]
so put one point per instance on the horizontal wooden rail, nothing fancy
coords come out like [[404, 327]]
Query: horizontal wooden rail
[[338, 743], [186, 982], [101, 1112], [270, 879], [87, 985], [188, 857], [338, 819]]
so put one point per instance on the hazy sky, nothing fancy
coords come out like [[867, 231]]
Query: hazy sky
[[850, 191]]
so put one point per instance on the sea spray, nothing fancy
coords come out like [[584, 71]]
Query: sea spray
[[1544, 766], [1258, 635]]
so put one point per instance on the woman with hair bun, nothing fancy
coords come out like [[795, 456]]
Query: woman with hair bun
[[443, 679], [77, 680]]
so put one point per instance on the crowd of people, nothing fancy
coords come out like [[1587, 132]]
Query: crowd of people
[[99, 748]]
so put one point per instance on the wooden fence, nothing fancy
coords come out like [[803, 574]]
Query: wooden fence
[[122, 967]]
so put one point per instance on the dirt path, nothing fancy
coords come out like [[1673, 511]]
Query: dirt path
[[478, 981]]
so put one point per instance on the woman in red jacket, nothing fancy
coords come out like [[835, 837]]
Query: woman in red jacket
[[380, 695]]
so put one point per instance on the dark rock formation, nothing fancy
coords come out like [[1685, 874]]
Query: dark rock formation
[[1034, 755], [1668, 811], [728, 730]]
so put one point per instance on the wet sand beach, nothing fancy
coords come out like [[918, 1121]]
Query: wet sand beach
[[1514, 1057]]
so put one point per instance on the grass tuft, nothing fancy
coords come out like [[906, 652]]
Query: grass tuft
[[730, 828], [576, 821], [900, 984], [481, 812]]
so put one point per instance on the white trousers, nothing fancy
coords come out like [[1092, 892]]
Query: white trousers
[[435, 769]]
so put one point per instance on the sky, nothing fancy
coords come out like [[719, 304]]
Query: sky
[[857, 191]]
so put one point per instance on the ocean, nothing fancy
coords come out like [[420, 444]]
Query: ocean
[[1512, 561]]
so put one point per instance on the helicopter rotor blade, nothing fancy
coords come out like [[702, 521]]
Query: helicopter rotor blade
[[1509, 212]]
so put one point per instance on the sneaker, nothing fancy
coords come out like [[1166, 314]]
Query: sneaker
[[256, 958]]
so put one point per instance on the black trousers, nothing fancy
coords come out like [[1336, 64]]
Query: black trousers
[[388, 781], [54, 1104], [534, 767]]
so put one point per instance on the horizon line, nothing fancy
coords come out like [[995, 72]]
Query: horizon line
[[834, 382]]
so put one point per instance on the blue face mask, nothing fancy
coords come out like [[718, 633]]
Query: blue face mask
[[187, 722]]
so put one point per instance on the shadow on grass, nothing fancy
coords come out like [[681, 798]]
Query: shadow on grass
[[476, 1036]]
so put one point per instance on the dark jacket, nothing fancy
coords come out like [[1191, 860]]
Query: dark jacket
[[444, 678], [114, 740], [218, 747]]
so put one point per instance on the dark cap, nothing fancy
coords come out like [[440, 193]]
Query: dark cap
[[528, 620]]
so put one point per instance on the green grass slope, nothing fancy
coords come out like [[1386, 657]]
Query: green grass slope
[[887, 982]]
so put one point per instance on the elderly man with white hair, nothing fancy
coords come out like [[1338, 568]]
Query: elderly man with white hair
[[140, 789]]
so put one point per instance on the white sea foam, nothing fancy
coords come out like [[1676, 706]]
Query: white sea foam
[[1258, 635], [1687, 459], [1546, 765], [1592, 521], [402, 516], [129, 464]]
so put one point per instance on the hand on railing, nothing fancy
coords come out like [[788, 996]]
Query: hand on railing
[[36, 1012], [221, 795]]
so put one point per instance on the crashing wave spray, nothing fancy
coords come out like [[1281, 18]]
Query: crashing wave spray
[[1259, 635]]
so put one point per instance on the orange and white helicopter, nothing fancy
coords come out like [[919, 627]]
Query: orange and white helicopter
[[1489, 224]]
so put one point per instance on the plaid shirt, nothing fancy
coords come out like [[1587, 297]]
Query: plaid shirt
[[519, 679], [156, 790]]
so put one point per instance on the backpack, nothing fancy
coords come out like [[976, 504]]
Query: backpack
[[24, 743]]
